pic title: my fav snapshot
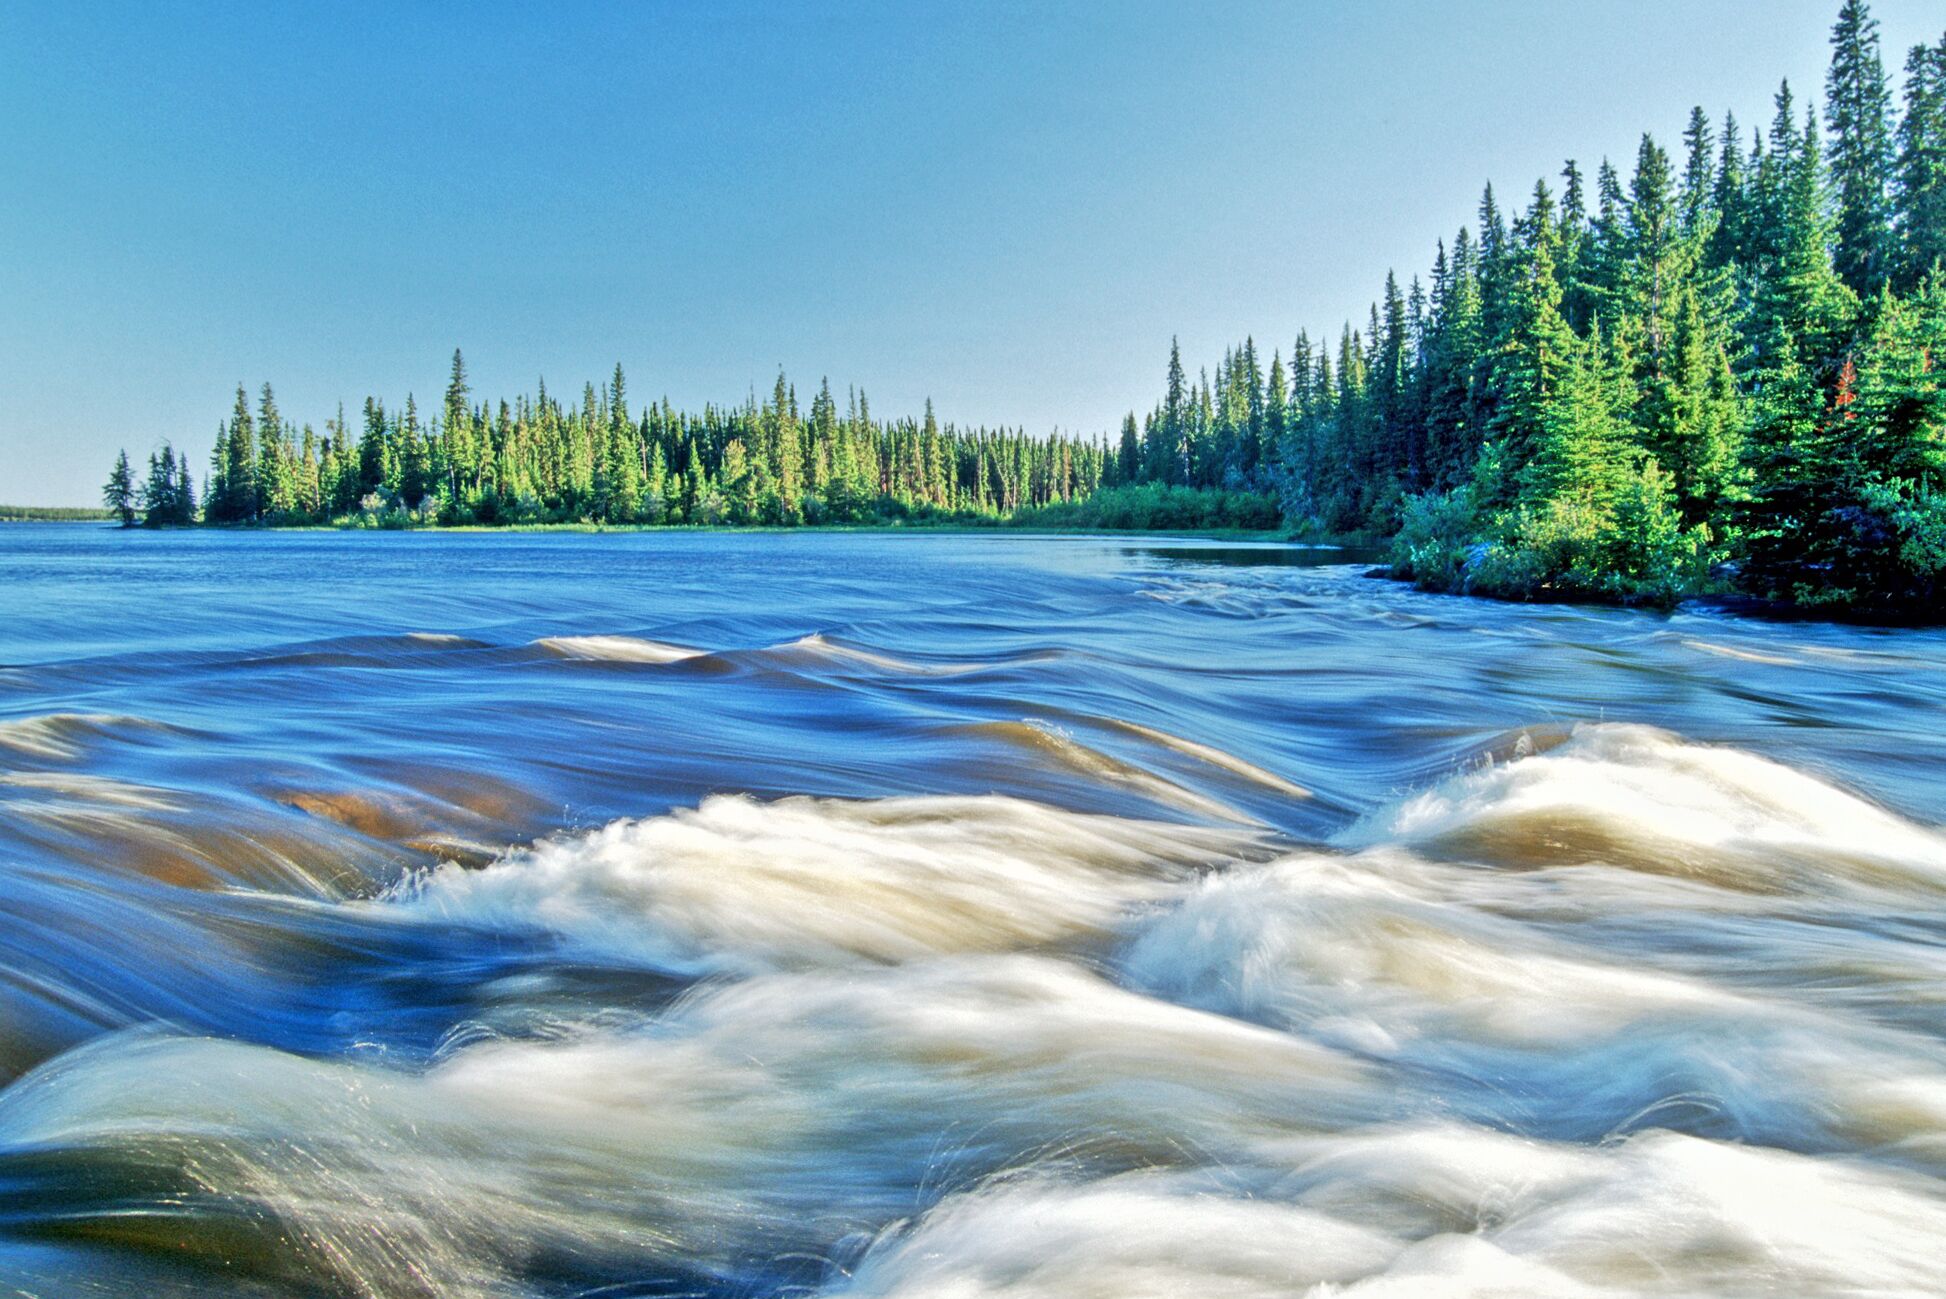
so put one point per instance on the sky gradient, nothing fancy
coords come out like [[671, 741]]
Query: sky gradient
[[1009, 208]]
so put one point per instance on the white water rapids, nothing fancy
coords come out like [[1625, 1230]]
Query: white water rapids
[[1514, 1038], [952, 919]]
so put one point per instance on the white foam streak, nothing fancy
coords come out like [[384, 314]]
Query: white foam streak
[[615, 649], [1435, 1212], [718, 1131], [1546, 1025], [65, 736], [1217, 758], [739, 886], [1369, 945], [1642, 798], [819, 646], [1133, 1237]]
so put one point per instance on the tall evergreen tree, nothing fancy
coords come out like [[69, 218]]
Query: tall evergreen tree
[[273, 458], [118, 493], [1920, 183], [1128, 455], [1730, 200], [1858, 109], [1796, 456], [1533, 360], [376, 463], [1801, 296], [1170, 463], [1698, 176], [240, 470], [461, 452], [162, 493], [185, 500]]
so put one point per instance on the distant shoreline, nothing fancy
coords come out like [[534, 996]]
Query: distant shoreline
[[1260, 536], [55, 514]]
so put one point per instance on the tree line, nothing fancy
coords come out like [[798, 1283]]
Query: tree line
[[1721, 372], [536, 459], [52, 514]]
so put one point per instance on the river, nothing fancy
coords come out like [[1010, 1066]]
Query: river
[[948, 915]]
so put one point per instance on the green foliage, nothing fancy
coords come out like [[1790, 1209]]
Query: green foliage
[[1858, 105], [534, 460], [1156, 507], [1633, 550], [168, 494], [118, 493], [1919, 175], [54, 514], [1439, 539], [1678, 389], [1915, 515]]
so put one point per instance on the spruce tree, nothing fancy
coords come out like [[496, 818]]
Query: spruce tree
[[216, 497], [240, 471], [1493, 266], [1692, 415], [1858, 109], [1796, 456], [374, 451], [460, 451], [1729, 199], [1901, 409], [415, 458], [1170, 463], [1452, 433], [159, 490], [1128, 455], [1579, 451], [118, 493], [1277, 413], [185, 501], [1654, 257], [1532, 363], [273, 459], [1698, 177], [1574, 246], [1920, 183], [1801, 296]]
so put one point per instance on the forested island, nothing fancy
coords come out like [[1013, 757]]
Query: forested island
[[1720, 374]]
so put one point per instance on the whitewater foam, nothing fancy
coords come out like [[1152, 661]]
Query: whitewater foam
[[615, 649], [821, 648], [740, 886], [1431, 1210], [1638, 797], [696, 1139], [66, 736]]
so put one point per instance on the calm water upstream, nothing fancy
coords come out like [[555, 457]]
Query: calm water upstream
[[730, 915]]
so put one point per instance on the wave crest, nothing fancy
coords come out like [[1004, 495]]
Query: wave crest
[[740, 886], [615, 649], [1642, 798]]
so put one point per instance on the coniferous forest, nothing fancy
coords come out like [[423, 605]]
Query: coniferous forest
[[1716, 368]]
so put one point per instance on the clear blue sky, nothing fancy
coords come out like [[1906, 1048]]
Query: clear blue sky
[[1009, 207]]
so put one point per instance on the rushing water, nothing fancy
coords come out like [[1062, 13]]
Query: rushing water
[[948, 916]]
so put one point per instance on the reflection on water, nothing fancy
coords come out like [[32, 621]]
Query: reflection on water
[[936, 915]]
